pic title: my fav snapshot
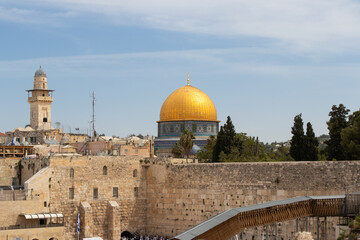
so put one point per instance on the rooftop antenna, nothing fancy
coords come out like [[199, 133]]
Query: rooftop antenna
[[93, 118]]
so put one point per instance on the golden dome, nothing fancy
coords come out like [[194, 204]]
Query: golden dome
[[188, 103]]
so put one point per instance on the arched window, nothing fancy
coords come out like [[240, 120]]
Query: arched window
[[71, 173], [104, 170], [135, 173]]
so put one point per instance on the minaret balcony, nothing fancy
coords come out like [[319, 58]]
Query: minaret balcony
[[40, 98]]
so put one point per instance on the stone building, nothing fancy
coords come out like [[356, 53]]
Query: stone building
[[4, 138], [40, 131], [187, 108], [115, 194]]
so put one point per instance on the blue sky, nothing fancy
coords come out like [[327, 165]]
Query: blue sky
[[261, 62]]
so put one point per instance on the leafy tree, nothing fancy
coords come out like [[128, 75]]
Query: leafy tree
[[207, 152], [283, 154], [350, 137], [177, 150], [186, 141], [336, 124], [297, 141], [311, 144], [250, 146], [225, 140]]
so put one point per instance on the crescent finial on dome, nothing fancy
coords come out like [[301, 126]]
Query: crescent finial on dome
[[188, 79]]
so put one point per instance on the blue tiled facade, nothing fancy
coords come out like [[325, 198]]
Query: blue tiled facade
[[169, 132]]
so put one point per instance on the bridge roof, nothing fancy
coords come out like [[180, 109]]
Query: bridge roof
[[224, 216]]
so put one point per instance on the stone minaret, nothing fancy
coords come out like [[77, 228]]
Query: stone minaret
[[40, 99]]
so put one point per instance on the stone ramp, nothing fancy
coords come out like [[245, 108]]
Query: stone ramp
[[229, 223]]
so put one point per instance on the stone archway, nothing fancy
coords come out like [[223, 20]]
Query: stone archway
[[53, 238]]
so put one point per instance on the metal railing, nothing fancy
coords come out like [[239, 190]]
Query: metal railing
[[36, 226]]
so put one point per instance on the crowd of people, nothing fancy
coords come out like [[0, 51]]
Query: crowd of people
[[144, 238]]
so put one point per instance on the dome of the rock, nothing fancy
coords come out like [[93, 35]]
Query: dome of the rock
[[188, 103], [187, 108]]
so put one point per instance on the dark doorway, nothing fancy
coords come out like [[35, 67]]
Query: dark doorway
[[127, 234]]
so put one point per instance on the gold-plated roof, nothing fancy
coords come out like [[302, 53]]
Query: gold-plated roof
[[188, 103]]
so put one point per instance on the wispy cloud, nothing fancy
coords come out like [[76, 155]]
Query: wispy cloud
[[35, 16], [302, 23], [259, 61]]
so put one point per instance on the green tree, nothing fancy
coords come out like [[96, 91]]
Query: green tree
[[297, 140], [350, 137], [225, 140], [311, 144], [177, 150], [207, 153], [186, 141], [337, 122], [219, 145]]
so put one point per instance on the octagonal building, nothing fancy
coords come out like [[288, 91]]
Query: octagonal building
[[186, 108]]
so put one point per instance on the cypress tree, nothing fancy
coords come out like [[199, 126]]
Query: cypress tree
[[229, 133], [218, 145], [311, 144], [336, 124], [297, 140], [225, 140]]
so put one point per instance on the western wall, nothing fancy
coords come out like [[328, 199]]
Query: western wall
[[163, 198], [181, 196]]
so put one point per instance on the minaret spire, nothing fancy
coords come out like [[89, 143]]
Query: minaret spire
[[188, 79]]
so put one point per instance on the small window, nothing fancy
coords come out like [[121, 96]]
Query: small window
[[45, 204], [115, 192], [96, 193], [136, 191], [44, 119], [71, 173], [104, 170], [71, 193], [135, 173]]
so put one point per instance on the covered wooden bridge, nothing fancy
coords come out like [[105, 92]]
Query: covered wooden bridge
[[231, 222]]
